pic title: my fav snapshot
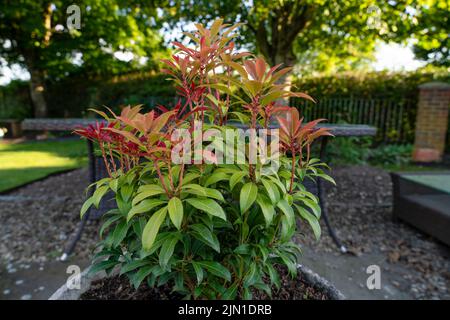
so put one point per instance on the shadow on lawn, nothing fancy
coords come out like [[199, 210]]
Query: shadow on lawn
[[12, 179]]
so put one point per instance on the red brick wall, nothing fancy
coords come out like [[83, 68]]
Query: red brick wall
[[432, 122]]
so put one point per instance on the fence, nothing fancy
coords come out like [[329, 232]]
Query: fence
[[395, 119]]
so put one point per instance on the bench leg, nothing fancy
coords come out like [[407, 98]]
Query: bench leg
[[92, 177], [71, 245], [321, 194]]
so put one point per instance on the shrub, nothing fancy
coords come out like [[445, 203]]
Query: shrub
[[207, 229]]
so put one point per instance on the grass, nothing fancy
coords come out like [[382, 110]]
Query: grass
[[22, 163]]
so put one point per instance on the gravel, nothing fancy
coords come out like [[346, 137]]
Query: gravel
[[360, 210], [37, 220]]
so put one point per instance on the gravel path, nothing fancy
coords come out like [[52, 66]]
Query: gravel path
[[360, 209], [36, 220]]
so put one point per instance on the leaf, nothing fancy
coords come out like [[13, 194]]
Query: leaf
[[236, 178], [230, 293], [274, 276], [175, 207], [120, 233], [272, 190], [98, 195], [248, 195], [194, 189], [103, 265], [108, 222], [216, 177], [133, 265], [266, 208], [326, 177], [284, 206], [209, 206], [215, 194], [205, 235], [216, 269], [313, 206], [198, 272], [313, 222], [147, 191], [86, 205], [144, 206], [190, 176], [140, 275], [152, 227], [167, 249]]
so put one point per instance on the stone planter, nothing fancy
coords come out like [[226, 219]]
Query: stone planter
[[310, 277]]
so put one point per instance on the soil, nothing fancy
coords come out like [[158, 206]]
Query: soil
[[119, 288]]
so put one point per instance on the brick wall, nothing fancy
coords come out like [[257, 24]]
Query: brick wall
[[432, 122]]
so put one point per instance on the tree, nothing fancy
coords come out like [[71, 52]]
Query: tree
[[36, 35], [288, 31], [433, 33]]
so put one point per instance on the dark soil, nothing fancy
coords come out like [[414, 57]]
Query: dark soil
[[119, 288]]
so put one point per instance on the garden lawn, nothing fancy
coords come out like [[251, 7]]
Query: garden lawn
[[22, 163]]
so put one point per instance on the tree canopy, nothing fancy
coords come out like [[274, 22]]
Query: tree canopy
[[36, 35]]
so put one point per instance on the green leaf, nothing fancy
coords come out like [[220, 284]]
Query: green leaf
[[272, 190], [175, 207], [167, 249], [147, 191], [205, 235], [108, 222], [98, 195], [194, 189], [216, 177], [130, 266], [284, 206], [209, 206], [315, 207], [140, 275], [86, 205], [273, 275], [216, 269], [190, 176], [198, 272], [152, 227], [243, 249], [126, 191], [248, 195], [326, 177], [266, 208], [103, 265], [120, 233], [144, 206], [230, 293], [312, 220], [236, 178], [251, 276], [215, 194]]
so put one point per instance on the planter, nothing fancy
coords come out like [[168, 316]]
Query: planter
[[309, 277]]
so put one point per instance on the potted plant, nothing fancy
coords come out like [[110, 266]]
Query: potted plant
[[186, 216]]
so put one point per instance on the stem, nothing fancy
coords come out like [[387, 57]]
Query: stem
[[161, 178], [292, 171], [105, 159], [112, 158]]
